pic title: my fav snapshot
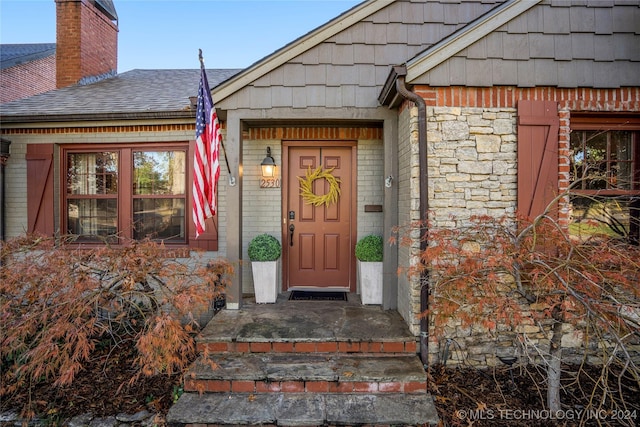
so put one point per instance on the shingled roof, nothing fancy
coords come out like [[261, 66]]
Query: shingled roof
[[133, 94], [16, 54]]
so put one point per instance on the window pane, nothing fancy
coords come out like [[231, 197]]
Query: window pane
[[161, 219], [621, 150], [92, 173], [616, 217], [602, 160], [90, 218], [159, 172], [577, 158], [596, 158]]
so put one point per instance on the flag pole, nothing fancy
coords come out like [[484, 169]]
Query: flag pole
[[231, 178]]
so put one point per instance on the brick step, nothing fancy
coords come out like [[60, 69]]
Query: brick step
[[303, 409], [407, 345], [306, 373]]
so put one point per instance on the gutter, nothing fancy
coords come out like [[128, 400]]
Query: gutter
[[79, 117], [389, 95]]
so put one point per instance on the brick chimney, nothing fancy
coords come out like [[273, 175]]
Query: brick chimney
[[86, 41]]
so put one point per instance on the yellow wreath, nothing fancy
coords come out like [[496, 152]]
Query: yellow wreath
[[306, 187]]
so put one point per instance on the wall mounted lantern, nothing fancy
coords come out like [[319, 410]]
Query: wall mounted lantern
[[268, 165]]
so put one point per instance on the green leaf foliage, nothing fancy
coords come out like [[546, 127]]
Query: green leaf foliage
[[264, 248], [369, 249]]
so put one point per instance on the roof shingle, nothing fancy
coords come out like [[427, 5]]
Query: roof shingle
[[135, 91]]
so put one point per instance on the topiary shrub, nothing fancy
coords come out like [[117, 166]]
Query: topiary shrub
[[264, 248], [369, 249]]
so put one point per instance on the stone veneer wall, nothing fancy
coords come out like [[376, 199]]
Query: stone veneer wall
[[472, 161], [472, 164], [408, 213]]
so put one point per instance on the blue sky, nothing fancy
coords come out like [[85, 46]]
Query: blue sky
[[158, 34]]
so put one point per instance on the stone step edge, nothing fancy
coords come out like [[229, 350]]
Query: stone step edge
[[365, 347], [268, 372], [301, 409], [303, 386]]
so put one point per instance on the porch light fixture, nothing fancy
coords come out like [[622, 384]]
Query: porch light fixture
[[268, 165]]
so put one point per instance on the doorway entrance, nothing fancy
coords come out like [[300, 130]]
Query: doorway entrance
[[318, 241]]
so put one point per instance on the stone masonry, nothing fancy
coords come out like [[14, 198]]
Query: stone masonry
[[472, 163]]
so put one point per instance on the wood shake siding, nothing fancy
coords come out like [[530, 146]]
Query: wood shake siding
[[348, 69], [557, 43]]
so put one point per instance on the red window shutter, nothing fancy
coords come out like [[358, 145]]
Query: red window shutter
[[208, 240], [538, 175], [40, 189]]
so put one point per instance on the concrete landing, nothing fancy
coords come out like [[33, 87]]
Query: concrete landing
[[303, 409], [307, 321]]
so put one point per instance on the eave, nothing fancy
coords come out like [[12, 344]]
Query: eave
[[98, 117]]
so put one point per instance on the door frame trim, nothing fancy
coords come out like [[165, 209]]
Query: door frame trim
[[353, 229]]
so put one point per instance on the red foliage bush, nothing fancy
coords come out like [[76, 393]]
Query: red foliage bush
[[61, 302]]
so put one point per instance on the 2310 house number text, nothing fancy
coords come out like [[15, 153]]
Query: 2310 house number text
[[269, 183]]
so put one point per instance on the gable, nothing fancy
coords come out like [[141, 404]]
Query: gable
[[345, 63], [564, 44]]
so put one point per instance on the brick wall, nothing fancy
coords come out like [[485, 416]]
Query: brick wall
[[87, 43], [370, 186], [261, 207], [578, 99], [28, 79], [16, 169]]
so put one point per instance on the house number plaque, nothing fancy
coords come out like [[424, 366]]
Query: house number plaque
[[269, 183]]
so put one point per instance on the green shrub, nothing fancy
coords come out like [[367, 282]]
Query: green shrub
[[369, 249], [264, 248]]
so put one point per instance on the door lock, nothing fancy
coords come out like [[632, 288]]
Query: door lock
[[291, 229]]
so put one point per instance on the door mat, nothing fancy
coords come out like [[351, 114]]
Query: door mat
[[317, 296]]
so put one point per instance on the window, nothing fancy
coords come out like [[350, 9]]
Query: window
[[605, 178], [128, 192], [159, 189]]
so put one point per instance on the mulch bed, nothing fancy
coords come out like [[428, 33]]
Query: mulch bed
[[516, 397], [101, 389]]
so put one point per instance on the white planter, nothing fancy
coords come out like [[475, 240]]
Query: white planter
[[370, 274], [265, 281]]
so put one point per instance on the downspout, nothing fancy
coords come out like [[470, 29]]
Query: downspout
[[4, 156], [424, 204]]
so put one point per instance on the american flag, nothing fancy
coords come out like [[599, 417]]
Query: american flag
[[206, 164]]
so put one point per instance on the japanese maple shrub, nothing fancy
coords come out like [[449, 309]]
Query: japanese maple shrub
[[495, 275], [59, 303]]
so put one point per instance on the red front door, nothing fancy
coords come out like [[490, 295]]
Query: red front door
[[318, 240]]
